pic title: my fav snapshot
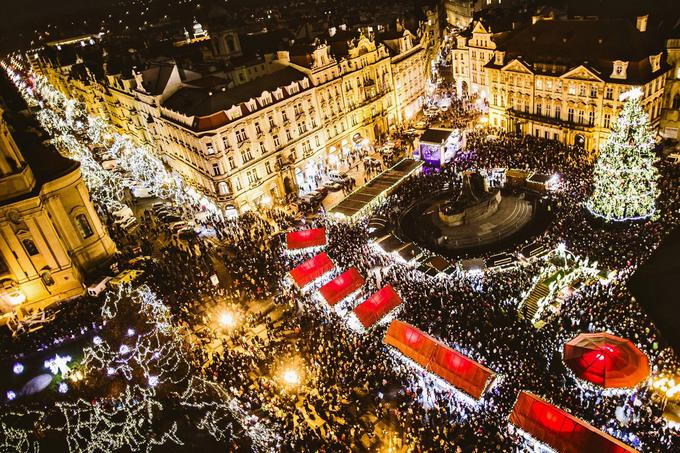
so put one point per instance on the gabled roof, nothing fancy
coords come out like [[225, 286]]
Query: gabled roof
[[156, 78]]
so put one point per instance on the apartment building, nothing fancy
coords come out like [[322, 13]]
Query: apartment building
[[563, 79]]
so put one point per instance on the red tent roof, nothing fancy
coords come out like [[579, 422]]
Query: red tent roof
[[378, 305], [560, 430], [438, 358], [342, 286], [314, 237], [312, 269], [606, 360]]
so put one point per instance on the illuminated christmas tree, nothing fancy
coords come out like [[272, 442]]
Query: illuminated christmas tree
[[625, 177]]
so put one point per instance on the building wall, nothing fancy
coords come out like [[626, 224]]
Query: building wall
[[50, 237], [670, 115], [577, 107]]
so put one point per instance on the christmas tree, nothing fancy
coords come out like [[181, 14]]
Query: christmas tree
[[625, 176]]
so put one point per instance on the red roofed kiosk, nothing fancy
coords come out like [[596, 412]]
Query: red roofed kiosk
[[378, 305], [312, 269], [560, 430], [342, 286], [314, 237], [458, 370]]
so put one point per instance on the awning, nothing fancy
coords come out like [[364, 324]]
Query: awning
[[314, 237], [560, 430], [312, 269], [342, 286], [434, 356], [378, 305]]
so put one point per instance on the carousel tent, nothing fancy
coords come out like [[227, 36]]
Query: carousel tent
[[606, 360], [378, 305], [312, 269], [458, 370], [314, 237], [560, 430], [342, 286]]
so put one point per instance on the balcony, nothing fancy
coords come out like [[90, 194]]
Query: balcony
[[584, 127]]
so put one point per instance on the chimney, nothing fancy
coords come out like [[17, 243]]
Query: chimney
[[641, 23]]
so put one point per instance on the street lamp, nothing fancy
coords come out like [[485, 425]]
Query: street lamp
[[226, 319], [291, 377]]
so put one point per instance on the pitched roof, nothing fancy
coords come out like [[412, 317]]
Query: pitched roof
[[211, 105]]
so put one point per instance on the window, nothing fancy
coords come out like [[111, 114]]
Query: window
[[252, 176], [538, 109], [570, 115], [581, 90], [225, 142], [46, 277], [539, 84], [222, 188], [277, 142], [547, 110], [268, 167], [83, 226], [289, 137], [30, 247], [257, 128], [572, 89], [237, 183], [216, 169], [271, 122], [230, 161], [317, 141], [580, 116], [241, 135], [263, 149], [247, 155], [284, 115], [593, 91], [591, 118], [607, 120], [210, 149], [609, 93]]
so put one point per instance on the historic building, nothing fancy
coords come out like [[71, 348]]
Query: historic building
[[670, 113], [294, 115], [563, 79], [50, 234]]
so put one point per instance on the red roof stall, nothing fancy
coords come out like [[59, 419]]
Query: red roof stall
[[314, 237], [458, 370], [342, 286], [312, 269], [606, 360], [560, 430], [378, 305]]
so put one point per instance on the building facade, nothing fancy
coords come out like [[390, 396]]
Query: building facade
[[270, 137], [50, 234], [670, 113]]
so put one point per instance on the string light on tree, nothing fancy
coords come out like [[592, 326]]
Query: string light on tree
[[625, 178]]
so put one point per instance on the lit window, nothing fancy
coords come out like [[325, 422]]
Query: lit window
[[30, 247], [84, 227]]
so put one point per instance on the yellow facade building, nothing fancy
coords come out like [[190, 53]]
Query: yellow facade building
[[50, 234]]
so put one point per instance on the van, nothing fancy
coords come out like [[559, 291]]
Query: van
[[97, 288], [175, 226], [337, 177], [130, 224]]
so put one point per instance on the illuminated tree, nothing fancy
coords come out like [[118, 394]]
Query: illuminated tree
[[625, 177]]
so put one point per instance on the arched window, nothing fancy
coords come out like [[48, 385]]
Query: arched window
[[30, 247], [84, 226]]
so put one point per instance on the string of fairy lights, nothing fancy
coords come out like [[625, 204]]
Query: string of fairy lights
[[90, 140]]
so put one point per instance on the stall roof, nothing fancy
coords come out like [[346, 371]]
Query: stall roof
[[387, 180], [436, 135]]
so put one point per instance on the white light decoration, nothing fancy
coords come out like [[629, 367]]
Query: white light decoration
[[58, 365], [18, 368], [625, 178], [11, 395], [62, 387]]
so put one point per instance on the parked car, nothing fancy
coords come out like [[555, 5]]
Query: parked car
[[130, 224], [317, 196], [332, 185], [185, 233], [178, 225], [322, 190], [170, 217]]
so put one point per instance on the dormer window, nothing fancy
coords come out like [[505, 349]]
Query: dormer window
[[619, 70], [655, 62]]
